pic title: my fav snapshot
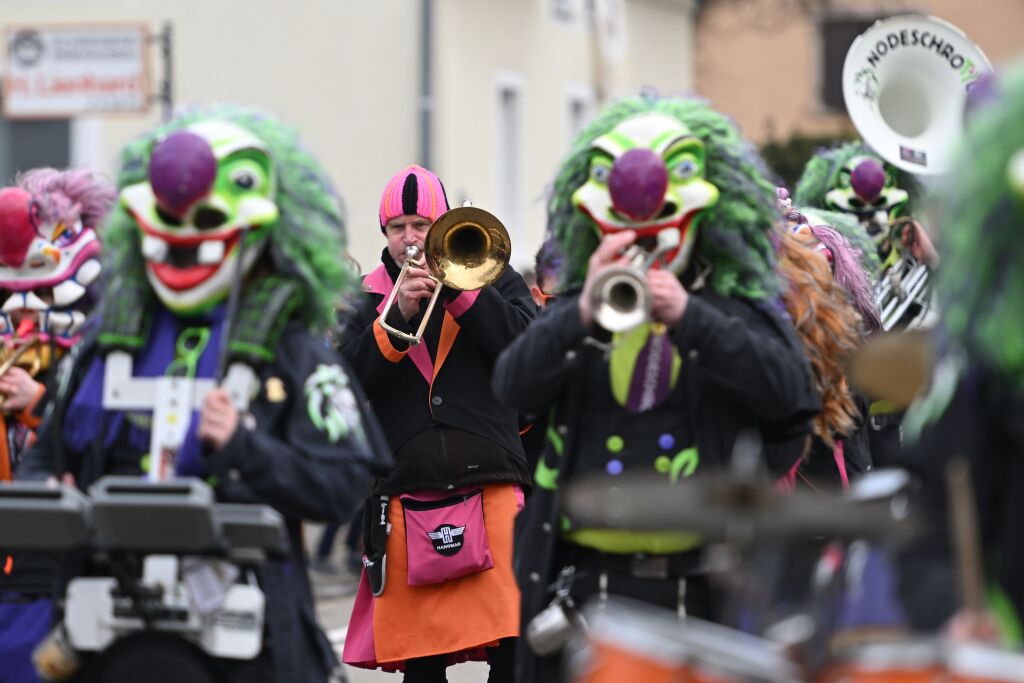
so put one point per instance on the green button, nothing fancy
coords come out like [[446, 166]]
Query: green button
[[663, 464], [614, 444]]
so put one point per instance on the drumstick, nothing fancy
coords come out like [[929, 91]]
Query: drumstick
[[964, 526]]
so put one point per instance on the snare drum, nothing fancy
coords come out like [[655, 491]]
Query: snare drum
[[630, 642], [981, 663]]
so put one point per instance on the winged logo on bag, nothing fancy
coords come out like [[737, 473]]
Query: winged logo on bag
[[447, 539]]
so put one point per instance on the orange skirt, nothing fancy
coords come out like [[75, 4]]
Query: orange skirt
[[458, 617]]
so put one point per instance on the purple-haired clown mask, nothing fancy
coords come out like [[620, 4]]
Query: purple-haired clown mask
[[47, 262], [206, 183]]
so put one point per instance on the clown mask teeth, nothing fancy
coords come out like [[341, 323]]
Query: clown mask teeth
[[669, 239], [65, 323], [21, 301], [89, 271], [67, 293], [154, 249], [210, 252]]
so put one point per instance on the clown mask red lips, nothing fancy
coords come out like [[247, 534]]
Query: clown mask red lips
[[182, 263], [207, 185], [647, 175]]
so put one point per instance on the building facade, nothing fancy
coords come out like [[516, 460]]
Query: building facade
[[489, 93], [776, 65]]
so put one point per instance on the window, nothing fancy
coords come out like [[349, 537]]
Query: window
[[837, 35], [510, 151], [30, 144], [581, 109]]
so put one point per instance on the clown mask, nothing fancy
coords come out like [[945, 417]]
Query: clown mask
[[647, 175], [867, 189], [208, 184], [47, 262]]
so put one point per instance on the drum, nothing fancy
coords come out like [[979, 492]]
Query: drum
[[981, 663], [899, 661], [926, 661], [630, 641]]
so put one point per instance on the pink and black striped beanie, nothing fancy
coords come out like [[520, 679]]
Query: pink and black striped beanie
[[413, 191]]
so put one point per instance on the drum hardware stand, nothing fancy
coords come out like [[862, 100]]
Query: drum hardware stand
[[964, 526]]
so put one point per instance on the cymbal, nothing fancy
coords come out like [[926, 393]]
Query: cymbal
[[723, 507], [893, 367]]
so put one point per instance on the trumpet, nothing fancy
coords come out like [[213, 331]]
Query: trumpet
[[619, 297], [466, 249]]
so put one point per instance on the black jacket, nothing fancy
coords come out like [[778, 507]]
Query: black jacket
[[411, 397], [983, 421], [742, 368], [284, 461]]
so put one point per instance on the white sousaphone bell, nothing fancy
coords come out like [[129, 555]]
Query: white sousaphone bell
[[905, 83]]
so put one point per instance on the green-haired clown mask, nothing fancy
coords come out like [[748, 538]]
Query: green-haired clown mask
[[647, 175], [867, 188], [206, 183]]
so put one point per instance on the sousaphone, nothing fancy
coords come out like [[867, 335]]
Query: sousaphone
[[905, 84]]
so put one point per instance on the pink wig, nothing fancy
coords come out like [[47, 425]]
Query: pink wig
[[850, 274], [67, 196]]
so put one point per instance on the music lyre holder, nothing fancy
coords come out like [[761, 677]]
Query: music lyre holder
[[171, 400], [155, 542]]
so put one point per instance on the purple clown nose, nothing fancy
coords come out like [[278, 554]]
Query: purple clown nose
[[182, 169], [868, 179], [637, 184]]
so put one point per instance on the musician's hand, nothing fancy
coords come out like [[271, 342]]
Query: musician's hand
[[19, 388], [969, 625], [916, 239], [417, 285], [67, 478], [609, 252], [668, 297], [218, 419]]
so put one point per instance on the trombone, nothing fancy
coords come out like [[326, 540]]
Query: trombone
[[466, 249]]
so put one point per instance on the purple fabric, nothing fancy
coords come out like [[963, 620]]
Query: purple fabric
[[86, 419], [637, 184], [182, 169], [649, 386], [23, 625], [871, 598]]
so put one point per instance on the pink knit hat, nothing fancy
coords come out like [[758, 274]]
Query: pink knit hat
[[413, 191]]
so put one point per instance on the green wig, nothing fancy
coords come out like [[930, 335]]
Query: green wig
[[981, 281], [734, 235], [305, 244]]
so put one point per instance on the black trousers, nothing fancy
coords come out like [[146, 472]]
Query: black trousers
[[432, 669]]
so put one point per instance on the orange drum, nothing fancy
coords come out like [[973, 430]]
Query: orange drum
[[629, 642], [901, 661]]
